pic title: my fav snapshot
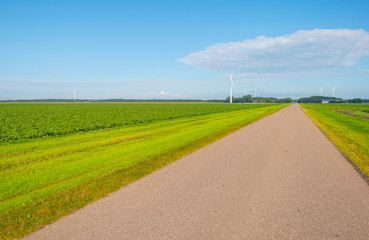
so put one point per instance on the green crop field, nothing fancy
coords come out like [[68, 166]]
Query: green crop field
[[34, 120], [56, 158], [345, 126]]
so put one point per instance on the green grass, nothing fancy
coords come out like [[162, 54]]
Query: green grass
[[348, 133], [46, 178], [359, 113]]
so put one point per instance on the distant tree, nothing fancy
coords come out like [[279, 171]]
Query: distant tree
[[248, 98], [269, 99], [313, 99], [357, 100], [284, 100], [238, 100], [243, 99]]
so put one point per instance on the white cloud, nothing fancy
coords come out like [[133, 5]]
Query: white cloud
[[306, 50], [166, 94]]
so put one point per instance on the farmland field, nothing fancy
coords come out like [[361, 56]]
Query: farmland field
[[56, 158], [34, 120], [346, 127]]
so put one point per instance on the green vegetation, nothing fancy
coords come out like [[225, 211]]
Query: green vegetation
[[361, 113], [44, 179], [318, 99], [110, 100], [35, 120], [344, 106], [348, 133], [355, 100], [249, 99], [314, 99]]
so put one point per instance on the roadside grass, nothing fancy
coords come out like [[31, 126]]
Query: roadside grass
[[43, 180], [348, 133], [365, 114], [346, 106]]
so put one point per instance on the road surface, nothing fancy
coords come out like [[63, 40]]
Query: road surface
[[278, 178]]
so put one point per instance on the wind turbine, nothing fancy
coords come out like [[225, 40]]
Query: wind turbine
[[74, 95], [333, 86], [230, 86], [254, 91], [321, 90]]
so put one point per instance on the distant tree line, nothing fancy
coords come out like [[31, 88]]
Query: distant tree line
[[355, 100], [313, 99], [245, 99], [114, 100], [249, 99], [318, 99]]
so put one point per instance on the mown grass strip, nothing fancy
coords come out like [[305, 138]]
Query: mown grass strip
[[359, 113], [59, 178], [348, 133]]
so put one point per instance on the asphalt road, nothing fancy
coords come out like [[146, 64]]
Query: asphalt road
[[278, 178]]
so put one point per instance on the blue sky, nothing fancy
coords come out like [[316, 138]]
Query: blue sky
[[181, 49]]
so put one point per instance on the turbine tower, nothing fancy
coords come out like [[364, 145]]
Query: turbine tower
[[230, 86], [74, 95], [254, 91], [333, 86]]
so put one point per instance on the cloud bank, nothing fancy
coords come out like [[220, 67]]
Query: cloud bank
[[305, 50]]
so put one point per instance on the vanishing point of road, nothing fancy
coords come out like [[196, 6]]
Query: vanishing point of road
[[278, 178]]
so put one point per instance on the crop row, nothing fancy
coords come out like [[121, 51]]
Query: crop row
[[24, 121]]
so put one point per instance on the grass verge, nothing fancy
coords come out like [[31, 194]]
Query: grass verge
[[359, 113], [46, 179], [348, 133]]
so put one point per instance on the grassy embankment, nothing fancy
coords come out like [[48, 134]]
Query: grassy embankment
[[46, 178], [361, 113], [348, 133]]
